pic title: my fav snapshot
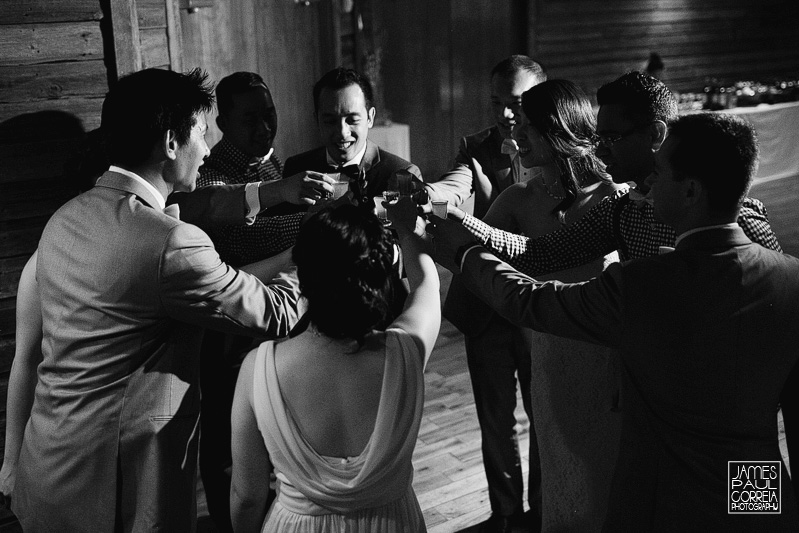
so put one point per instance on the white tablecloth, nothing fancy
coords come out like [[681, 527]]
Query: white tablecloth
[[778, 132]]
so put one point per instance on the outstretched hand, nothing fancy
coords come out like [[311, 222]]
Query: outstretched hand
[[305, 188], [404, 216]]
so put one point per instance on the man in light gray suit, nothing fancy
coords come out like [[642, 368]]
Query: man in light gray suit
[[706, 334], [111, 444]]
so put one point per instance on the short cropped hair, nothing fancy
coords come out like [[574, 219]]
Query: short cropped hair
[[142, 106], [644, 98], [339, 78], [718, 150], [236, 83], [509, 66], [344, 259]]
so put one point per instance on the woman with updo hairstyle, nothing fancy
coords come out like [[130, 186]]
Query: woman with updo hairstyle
[[344, 262], [574, 384], [334, 410]]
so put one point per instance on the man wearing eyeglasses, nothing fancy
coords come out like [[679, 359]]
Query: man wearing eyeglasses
[[634, 112], [632, 124]]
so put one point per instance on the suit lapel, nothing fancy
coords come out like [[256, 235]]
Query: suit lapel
[[120, 182], [371, 158]]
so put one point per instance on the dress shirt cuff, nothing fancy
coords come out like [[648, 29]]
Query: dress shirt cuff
[[478, 228], [253, 201]]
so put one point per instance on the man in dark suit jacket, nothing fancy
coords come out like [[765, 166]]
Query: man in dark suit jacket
[[486, 162], [344, 114], [497, 352], [705, 335], [111, 443]]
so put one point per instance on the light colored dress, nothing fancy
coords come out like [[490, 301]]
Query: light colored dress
[[368, 493], [575, 397]]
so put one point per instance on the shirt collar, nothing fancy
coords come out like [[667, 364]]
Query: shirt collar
[[147, 185], [255, 161], [731, 225], [354, 161]]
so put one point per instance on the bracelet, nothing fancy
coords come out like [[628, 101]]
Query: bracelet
[[462, 252]]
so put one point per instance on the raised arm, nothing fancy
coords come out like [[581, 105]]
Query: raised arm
[[271, 267], [230, 204], [589, 238], [197, 287], [249, 486], [456, 185], [22, 380], [422, 314]]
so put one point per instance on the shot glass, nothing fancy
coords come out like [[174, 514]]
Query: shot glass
[[391, 196], [340, 188], [440, 208], [380, 211]]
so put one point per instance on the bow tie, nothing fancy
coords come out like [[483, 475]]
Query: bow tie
[[509, 147], [358, 183], [173, 210], [350, 171]]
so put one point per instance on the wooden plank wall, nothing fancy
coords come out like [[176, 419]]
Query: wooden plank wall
[[52, 81], [436, 64], [288, 44], [594, 42], [55, 57]]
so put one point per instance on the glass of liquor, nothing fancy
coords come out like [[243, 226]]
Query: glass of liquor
[[380, 211], [440, 208], [391, 196]]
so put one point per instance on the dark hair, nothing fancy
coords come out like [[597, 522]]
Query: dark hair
[[644, 98], [339, 78], [236, 83], [562, 114], [142, 106], [509, 66], [718, 150], [344, 260]]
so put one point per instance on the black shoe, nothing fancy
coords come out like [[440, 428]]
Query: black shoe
[[532, 521]]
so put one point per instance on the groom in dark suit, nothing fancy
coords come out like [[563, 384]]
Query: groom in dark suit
[[705, 334], [111, 443], [344, 114]]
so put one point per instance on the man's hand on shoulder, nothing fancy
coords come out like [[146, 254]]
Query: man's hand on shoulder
[[303, 188]]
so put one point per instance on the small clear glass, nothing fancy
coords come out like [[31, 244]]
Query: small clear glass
[[440, 208]]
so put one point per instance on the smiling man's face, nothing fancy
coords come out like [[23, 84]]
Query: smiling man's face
[[344, 121]]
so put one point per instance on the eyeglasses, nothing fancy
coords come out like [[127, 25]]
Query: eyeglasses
[[610, 139]]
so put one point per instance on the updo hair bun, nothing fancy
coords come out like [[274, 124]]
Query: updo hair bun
[[344, 259]]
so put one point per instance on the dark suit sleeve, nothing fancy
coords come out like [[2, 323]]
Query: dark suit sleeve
[[455, 186], [591, 311], [197, 287], [213, 205]]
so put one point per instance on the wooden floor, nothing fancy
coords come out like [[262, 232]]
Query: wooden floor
[[449, 479]]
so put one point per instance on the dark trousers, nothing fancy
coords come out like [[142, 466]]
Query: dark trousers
[[220, 360], [496, 357]]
